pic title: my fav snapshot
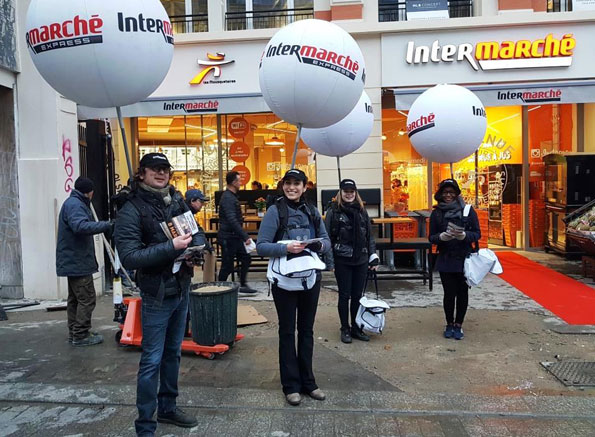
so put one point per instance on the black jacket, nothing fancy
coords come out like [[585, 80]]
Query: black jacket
[[339, 226], [230, 217], [452, 253], [150, 251], [75, 249]]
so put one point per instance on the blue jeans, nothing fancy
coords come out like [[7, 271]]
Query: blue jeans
[[163, 331]]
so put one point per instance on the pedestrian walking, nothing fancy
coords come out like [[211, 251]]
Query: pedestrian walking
[[144, 246], [232, 237], [75, 259], [454, 235], [353, 253], [291, 219]]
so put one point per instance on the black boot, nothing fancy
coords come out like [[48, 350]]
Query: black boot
[[359, 334], [178, 418], [345, 335]]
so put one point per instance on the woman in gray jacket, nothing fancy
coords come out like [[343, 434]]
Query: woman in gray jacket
[[290, 218]]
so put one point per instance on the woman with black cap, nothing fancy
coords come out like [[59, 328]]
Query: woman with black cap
[[454, 235], [354, 251], [291, 220]]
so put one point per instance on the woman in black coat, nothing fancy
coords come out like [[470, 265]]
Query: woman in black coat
[[454, 235], [354, 251]]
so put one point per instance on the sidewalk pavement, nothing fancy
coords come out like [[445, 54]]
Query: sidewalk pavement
[[409, 381]]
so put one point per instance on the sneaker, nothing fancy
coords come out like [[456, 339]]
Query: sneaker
[[244, 289], [293, 399], [317, 394], [71, 337], [359, 334], [89, 340], [178, 418], [449, 331], [458, 332], [345, 335]]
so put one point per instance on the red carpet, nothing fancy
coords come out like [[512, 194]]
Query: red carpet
[[571, 300]]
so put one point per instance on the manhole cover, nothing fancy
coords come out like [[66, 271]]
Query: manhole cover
[[573, 373]]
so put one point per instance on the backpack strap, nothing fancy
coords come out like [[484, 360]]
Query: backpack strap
[[466, 210], [282, 210]]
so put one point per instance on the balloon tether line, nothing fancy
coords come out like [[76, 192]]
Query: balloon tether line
[[339, 168], [121, 122], [295, 147], [451, 172]]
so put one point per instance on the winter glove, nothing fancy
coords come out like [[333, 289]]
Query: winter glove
[[315, 246], [445, 236], [461, 236]]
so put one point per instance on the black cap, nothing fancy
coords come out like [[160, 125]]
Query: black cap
[[446, 183], [348, 184], [154, 160], [194, 194], [84, 185], [296, 174]]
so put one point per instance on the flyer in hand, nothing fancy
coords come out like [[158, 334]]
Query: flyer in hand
[[180, 225]]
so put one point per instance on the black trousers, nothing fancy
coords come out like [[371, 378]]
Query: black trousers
[[456, 293], [295, 367], [351, 281], [80, 305], [230, 249]]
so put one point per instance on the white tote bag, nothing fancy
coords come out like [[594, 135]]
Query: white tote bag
[[479, 264]]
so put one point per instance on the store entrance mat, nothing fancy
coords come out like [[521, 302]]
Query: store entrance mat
[[573, 373], [570, 300]]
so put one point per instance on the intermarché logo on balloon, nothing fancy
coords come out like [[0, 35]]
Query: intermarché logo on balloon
[[142, 24], [70, 33], [422, 123], [317, 56]]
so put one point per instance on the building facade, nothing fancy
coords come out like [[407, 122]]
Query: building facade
[[530, 66]]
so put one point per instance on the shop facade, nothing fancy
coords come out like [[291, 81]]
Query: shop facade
[[537, 86]]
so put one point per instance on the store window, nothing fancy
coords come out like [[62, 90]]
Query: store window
[[187, 15], [259, 146], [264, 14]]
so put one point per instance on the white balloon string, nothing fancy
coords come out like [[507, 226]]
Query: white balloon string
[[121, 122], [339, 169], [297, 143], [452, 176]]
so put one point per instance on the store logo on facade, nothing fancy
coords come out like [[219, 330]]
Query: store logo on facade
[[213, 64], [551, 95], [70, 33], [319, 57], [142, 24], [422, 123], [540, 53], [192, 107]]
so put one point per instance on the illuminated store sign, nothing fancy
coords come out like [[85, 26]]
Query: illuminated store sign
[[213, 64], [493, 55]]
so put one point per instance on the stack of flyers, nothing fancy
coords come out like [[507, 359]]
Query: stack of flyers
[[454, 229]]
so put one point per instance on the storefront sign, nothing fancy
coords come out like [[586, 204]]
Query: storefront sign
[[244, 173], [499, 54], [505, 96], [238, 127], [213, 64], [583, 5], [192, 107], [239, 151], [426, 9]]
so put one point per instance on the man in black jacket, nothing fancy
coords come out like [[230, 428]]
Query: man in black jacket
[[75, 259], [231, 236], [144, 246]]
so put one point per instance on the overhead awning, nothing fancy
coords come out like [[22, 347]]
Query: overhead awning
[[514, 94], [191, 106]]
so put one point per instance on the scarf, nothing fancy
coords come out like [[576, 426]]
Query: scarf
[[452, 210], [161, 192]]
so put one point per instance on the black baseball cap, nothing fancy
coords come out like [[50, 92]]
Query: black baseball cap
[[154, 160], [194, 194], [348, 184], [447, 183], [296, 174]]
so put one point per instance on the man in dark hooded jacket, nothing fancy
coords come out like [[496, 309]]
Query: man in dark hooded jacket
[[75, 259], [143, 246]]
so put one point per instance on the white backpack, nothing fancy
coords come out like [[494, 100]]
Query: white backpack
[[370, 315], [294, 271]]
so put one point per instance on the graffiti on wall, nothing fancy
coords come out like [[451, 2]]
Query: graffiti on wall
[[68, 167]]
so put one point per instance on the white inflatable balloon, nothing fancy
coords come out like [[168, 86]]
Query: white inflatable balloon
[[312, 73], [446, 123], [100, 53], [347, 135]]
